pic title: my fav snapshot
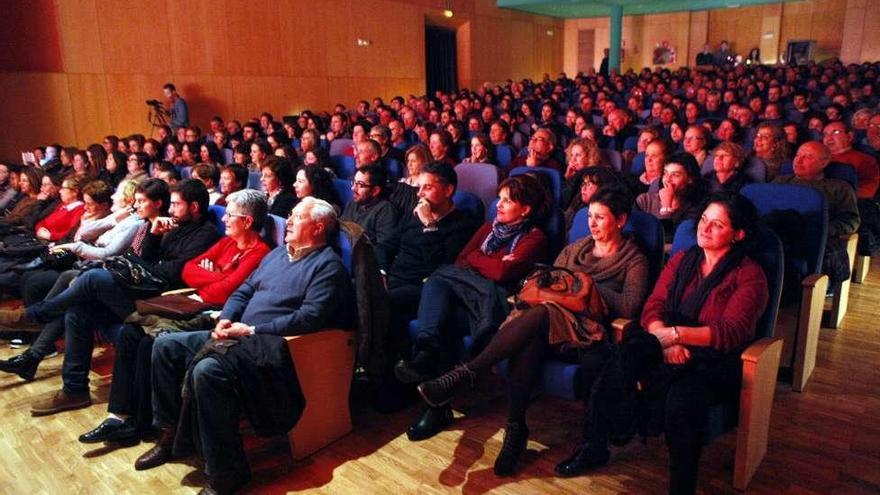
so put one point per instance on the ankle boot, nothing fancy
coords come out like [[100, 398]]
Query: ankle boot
[[441, 390], [23, 365], [585, 457], [516, 436]]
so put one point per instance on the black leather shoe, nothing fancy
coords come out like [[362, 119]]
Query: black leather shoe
[[582, 460], [23, 365], [411, 371], [433, 421], [33, 264], [110, 430], [226, 484]]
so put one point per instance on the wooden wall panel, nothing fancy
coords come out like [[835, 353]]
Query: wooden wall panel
[[126, 94], [199, 39], [39, 106], [254, 37], [303, 41], [871, 41], [521, 51], [698, 34], [88, 103], [300, 93], [134, 36], [30, 40], [80, 36], [254, 94], [339, 37], [206, 96]]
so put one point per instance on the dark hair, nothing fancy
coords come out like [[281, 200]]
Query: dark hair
[[377, 173], [527, 191], [487, 143], [166, 166], [742, 212], [35, 177], [444, 173], [155, 190], [99, 191], [169, 86], [282, 170], [240, 173], [143, 159], [445, 138], [321, 182], [99, 156], [694, 191], [207, 171], [213, 152], [193, 191], [263, 145], [616, 198]]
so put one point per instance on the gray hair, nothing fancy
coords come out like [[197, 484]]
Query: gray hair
[[323, 213], [252, 203]]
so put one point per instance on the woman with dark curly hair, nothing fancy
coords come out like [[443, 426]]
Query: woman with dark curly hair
[[317, 183]]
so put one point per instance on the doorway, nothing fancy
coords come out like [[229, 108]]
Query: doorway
[[441, 71], [586, 49]]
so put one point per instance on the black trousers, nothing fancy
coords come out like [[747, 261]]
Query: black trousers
[[678, 396], [130, 392]]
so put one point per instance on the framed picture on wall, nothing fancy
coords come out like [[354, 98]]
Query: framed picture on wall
[[800, 51]]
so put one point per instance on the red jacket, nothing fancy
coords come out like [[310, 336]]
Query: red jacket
[[232, 264], [530, 249], [867, 171], [731, 310], [62, 220]]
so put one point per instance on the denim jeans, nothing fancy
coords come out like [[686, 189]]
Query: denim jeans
[[216, 405], [93, 301]]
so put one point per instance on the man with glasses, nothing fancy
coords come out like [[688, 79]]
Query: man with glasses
[[540, 151], [373, 212], [839, 140], [391, 157]]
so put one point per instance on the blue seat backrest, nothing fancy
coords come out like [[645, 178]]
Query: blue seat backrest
[[217, 212], [254, 181], [480, 179], [343, 248], [504, 153], [553, 175], [612, 159], [469, 202], [394, 169], [344, 166], [767, 252], [274, 230], [340, 147], [343, 191], [646, 228], [637, 167], [808, 202]]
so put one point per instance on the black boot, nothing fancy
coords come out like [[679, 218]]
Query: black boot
[[585, 457], [516, 436], [431, 422], [442, 389], [23, 365]]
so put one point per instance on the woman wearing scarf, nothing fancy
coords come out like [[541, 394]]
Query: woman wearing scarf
[[619, 272], [486, 271], [701, 315]]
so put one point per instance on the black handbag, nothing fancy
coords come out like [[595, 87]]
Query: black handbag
[[130, 273]]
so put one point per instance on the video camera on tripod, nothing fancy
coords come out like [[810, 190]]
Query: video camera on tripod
[[157, 115]]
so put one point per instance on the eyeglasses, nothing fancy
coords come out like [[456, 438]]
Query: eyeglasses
[[233, 215], [835, 132], [362, 185], [763, 136]]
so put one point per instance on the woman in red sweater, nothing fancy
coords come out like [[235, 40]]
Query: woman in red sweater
[[65, 217], [486, 271], [702, 313], [217, 272]]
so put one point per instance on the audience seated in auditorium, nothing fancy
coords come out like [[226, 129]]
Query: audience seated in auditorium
[[371, 210], [299, 288]]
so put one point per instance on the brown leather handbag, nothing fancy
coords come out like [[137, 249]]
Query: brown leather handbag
[[573, 290], [173, 306]]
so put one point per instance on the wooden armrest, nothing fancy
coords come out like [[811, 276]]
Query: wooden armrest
[[185, 290], [812, 280], [620, 325], [760, 366], [760, 350]]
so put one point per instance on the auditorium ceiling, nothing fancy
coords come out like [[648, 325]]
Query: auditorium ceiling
[[573, 9]]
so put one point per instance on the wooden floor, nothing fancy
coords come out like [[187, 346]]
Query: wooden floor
[[826, 440]]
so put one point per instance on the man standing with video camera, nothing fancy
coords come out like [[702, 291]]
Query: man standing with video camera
[[179, 110]]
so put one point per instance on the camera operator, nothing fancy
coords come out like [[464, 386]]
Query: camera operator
[[179, 110]]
